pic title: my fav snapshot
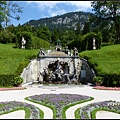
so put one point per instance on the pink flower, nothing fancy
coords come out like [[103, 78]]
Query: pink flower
[[106, 88], [14, 88]]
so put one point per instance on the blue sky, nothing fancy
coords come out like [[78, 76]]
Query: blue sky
[[34, 10]]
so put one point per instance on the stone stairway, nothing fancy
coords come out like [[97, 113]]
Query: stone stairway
[[57, 53]]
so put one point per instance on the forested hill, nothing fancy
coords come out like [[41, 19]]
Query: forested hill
[[63, 22]]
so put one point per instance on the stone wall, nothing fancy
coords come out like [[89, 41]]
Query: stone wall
[[86, 73], [30, 73], [36, 66]]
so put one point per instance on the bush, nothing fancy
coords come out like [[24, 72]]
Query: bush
[[27, 37], [111, 80], [18, 81], [6, 37], [32, 42], [107, 43], [98, 79], [6, 80], [21, 66], [88, 40], [39, 43]]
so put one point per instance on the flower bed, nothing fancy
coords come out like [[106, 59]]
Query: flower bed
[[106, 88], [13, 88], [6, 107], [86, 111], [58, 101]]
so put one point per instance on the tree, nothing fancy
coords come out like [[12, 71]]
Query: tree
[[78, 28], [86, 28], [2, 9], [44, 33], [54, 36], [68, 36], [108, 10], [9, 9]]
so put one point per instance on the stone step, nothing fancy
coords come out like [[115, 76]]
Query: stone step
[[58, 53]]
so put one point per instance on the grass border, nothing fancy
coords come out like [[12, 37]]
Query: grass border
[[49, 106], [63, 109], [93, 113], [72, 104], [27, 112]]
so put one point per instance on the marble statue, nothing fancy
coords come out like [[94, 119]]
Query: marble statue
[[23, 42], [41, 52], [75, 52], [94, 47]]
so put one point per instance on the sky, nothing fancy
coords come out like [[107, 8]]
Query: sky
[[35, 10]]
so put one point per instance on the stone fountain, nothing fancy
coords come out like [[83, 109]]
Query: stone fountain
[[54, 67], [58, 67]]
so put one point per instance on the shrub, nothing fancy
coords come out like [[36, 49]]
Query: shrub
[[111, 80], [27, 37], [18, 81], [32, 42], [39, 43], [107, 43], [21, 66], [98, 79], [6, 80], [6, 37]]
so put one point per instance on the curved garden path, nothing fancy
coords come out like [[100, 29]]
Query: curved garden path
[[19, 114], [48, 114], [98, 95]]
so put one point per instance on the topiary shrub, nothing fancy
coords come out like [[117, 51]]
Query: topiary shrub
[[18, 81], [98, 80]]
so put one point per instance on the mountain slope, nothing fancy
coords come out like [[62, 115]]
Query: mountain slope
[[66, 21]]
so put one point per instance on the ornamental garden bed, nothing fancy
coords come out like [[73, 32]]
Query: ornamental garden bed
[[59, 103], [31, 112], [106, 88], [89, 111], [12, 88]]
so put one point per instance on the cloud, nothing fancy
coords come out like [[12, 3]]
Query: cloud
[[53, 8], [85, 4], [80, 5], [42, 5], [58, 12]]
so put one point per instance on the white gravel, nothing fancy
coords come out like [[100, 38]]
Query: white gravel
[[19, 95], [107, 115], [20, 114]]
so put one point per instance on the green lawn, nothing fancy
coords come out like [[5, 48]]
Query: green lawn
[[107, 58], [11, 57]]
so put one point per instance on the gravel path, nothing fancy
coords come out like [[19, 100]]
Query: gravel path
[[20, 114], [19, 95]]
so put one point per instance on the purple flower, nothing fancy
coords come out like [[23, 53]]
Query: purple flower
[[58, 100]]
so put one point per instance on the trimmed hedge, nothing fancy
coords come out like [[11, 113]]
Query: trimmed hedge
[[32, 42], [111, 80], [6, 80], [9, 79], [21, 66]]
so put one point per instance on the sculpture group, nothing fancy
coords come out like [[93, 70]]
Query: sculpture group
[[56, 72]]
